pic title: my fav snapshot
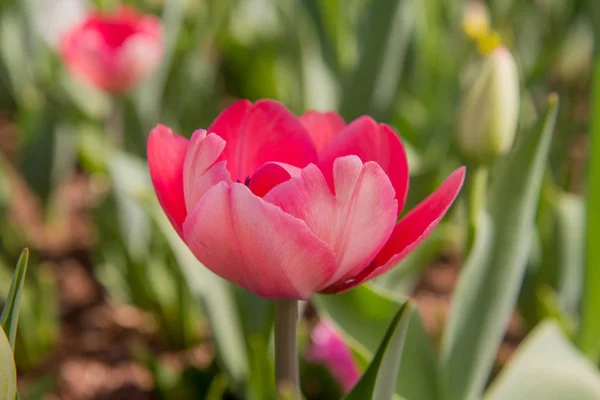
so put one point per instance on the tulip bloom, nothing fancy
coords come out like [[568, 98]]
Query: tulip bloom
[[327, 347], [114, 52], [259, 206]]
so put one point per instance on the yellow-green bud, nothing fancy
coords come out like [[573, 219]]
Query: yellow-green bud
[[490, 110]]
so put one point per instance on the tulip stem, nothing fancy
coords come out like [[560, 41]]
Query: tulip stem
[[477, 185], [114, 123], [286, 350]]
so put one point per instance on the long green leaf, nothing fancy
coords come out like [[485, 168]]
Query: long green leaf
[[372, 87], [570, 243], [379, 380], [8, 373], [10, 314], [362, 315], [589, 335], [546, 366], [488, 288]]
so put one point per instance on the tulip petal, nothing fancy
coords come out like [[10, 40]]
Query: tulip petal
[[370, 142], [270, 175], [198, 176], [355, 222], [259, 133], [166, 153], [254, 244], [322, 126], [410, 231]]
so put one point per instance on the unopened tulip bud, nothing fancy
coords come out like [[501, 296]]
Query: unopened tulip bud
[[489, 112]]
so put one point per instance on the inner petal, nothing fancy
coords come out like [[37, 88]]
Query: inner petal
[[355, 222]]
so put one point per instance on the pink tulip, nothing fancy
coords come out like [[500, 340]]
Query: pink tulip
[[114, 52], [327, 347], [258, 206]]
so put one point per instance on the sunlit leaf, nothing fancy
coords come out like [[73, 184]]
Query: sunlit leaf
[[546, 366], [8, 373]]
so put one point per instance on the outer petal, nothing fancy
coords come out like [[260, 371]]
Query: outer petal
[[410, 231], [371, 142], [259, 133], [256, 245], [356, 222], [322, 126], [202, 153], [270, 175], [166, 153]]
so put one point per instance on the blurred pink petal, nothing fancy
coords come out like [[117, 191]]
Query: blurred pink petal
[[114, 52], [322, 126], [327, 347]]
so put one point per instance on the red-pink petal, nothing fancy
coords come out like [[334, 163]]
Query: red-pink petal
[[270, 175], [198, 176], [254, 244], [166, 153], [411, 230], [370, 142], [322, 126], [355, 222], [261, 132]]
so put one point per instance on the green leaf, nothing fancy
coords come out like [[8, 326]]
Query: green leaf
[[261, 385], [488, 287], [10, 314], [589, 334], [40, 149], [546, 366], [362, 316], [570, 241], [218, 302], [372, 87], [129, 177], [8, 373], [379, 380]]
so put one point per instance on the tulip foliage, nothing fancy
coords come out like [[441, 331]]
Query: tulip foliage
[[308, 199]]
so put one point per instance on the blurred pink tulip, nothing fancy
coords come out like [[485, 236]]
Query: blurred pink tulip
[[327, 347], [258, 206], [114, 52]]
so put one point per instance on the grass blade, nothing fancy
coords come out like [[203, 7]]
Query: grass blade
[[10, 314]]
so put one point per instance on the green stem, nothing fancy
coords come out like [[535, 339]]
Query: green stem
[[114, 123], [477, 185], [286, 349]]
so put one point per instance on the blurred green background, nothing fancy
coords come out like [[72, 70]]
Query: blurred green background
[[115, 307]]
